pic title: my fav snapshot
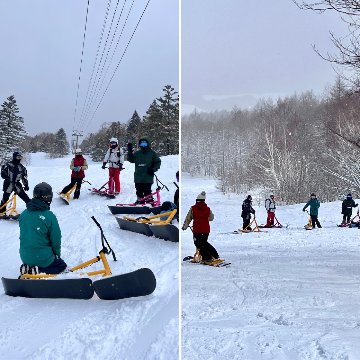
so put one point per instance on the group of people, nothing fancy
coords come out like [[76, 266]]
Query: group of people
[[40, 234], [201, 215]]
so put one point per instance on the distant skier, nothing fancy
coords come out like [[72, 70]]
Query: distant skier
[[346, 208], [147, 162], [40, 235], [201, 215], [78, 166], [246, 212], [314, 204], [115, 158], [270, 207], [13, 172]]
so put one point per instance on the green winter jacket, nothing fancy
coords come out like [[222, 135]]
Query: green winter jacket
[[40, 235], [314, 206], [145, 161]]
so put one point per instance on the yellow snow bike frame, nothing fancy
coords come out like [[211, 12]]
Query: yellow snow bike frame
[[106, 271], [153, 220], [11, 210]]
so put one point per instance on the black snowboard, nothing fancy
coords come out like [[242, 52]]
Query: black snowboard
[[166, 232], [134, 226], [189, 259], [137, 283], [115, 210], [41, 288]]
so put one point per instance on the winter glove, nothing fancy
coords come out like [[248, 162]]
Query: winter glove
[[150, 171], [120, 165], [26, 187], [184, 227], [103, 165], [130, 147], [303, 210], [77, 168], [356, 205]]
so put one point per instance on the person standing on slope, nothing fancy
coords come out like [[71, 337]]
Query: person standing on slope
[[78, 166], [270, 207], [40, 235], [115, 158], [246, 212], [314, 204], [147, 162], [13, 172], [201, 215], [346, 208]]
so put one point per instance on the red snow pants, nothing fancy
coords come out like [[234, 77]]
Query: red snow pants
[[115, 174], [270, 219]]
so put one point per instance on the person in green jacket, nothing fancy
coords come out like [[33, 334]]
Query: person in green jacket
[[314, 204], [40, 235], [147, 162]]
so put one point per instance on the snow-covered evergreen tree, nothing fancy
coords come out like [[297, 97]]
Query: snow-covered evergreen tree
[[60, 147], [12, 131], [133, 128]]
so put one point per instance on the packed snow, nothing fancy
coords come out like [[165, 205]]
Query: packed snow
[[288, 294], [130, 329]]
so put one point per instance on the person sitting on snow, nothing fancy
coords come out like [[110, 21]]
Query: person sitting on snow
[[13, 172], [346, 208], [201, 215], [115, 158], [147, 162], [78, 165], [40, 235], [314, 204], [246, 212], [270, 207]]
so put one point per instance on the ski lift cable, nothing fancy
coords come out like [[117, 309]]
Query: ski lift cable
[[81, 61], [105, 44], [98, 88], [122, 56], [97, 52]]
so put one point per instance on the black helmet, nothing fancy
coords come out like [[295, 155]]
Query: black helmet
[[249, 197], [43, 191]]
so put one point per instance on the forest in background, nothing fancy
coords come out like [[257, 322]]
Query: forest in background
[[292, 147]]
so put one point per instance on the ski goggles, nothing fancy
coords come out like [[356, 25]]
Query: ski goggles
[[143, 144]]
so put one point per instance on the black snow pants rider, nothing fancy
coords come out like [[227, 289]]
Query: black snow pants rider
[[207, 251]]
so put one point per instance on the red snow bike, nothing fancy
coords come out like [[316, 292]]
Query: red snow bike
[[107, 189], [354, 222]]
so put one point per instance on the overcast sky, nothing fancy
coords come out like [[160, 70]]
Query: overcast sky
[[41, 43], [236, 51]]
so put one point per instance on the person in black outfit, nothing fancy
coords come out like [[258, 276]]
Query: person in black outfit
[[12, 172], [247, 210], [176, 196], [347, 206]]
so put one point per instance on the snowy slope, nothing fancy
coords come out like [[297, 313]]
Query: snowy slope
[[289, 294], [139, 328]]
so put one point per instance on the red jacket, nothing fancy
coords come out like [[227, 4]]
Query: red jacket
[[201, 214], [78, 161]]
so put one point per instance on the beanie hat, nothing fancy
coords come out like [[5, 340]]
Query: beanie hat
[[201, 196], [313, 194], [16, 153]]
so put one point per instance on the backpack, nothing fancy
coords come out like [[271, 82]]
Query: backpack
[[165, 207]]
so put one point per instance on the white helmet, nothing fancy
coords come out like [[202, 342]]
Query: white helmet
[[115, 140], [78, 151]]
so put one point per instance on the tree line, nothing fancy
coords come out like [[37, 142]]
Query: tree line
[[293, 147], [160, 125]]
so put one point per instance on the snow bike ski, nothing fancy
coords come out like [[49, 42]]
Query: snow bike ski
[[214, 263], [8, 210], [106, 190], [352, 222], [137, 283], [146, 205], [152, 226]]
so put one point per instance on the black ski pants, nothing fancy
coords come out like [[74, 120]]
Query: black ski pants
[[20, 192], [346, 218], [56, 267], [78, 182], [246, 221], [207, 251], [315, 221], [142, 190]]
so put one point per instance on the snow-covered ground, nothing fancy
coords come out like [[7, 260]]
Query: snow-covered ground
[[288, 294], [131, 329]]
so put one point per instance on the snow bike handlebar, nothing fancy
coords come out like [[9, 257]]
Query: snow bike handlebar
[[157, 183], [176, 184], [106, 250]]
